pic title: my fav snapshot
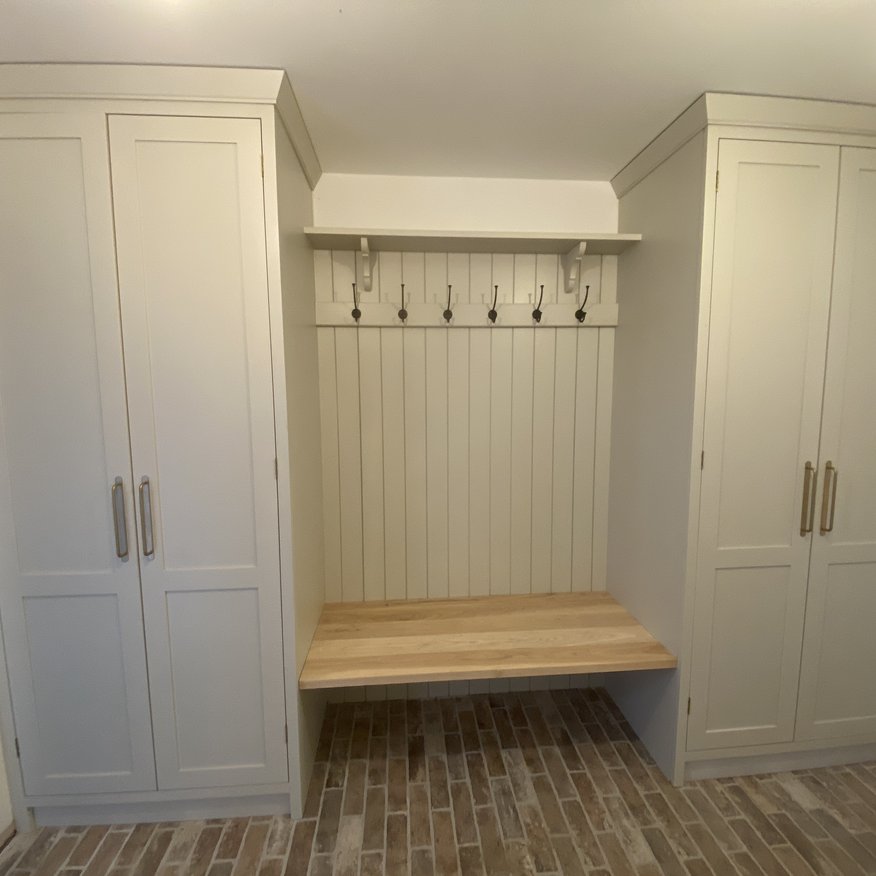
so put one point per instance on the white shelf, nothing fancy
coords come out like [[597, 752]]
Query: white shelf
[[467, 241]]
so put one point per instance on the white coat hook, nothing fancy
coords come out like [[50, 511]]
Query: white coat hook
[[572, 265], [365, 262]]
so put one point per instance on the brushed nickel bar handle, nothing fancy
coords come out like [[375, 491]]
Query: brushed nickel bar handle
[[831, 475], [146, 518], [120, 523], [807, 512]]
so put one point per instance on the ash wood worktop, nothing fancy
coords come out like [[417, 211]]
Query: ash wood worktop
[[360, 643]]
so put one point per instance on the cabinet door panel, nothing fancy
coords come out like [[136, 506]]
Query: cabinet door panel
[[771, 278], [72, 620], [190, 236], [837, 690]]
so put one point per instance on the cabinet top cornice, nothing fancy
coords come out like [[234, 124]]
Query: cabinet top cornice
[[748, 111], [114, 82]]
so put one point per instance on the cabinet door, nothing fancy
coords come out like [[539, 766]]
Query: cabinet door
[[773, 250], [72, 620], [837, 687], [191, 248]]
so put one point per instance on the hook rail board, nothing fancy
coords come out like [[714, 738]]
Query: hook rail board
[[489, 637], [385, 315], [401, 240]]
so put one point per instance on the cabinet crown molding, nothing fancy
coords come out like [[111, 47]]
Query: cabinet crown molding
[[166, 83], [753, 111]]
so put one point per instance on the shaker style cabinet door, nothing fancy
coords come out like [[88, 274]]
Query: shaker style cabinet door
[[190, 235], [837, 684], [773, 251], [70, 594]]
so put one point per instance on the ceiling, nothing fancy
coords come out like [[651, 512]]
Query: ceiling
[[561, 89]]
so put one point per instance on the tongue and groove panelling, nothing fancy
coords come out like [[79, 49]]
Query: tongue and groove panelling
[[463, 461]]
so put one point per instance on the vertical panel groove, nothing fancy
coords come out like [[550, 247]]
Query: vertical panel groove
[[490, 468], [383, 473], [361, 461], [404, 419], [426, 455], [574, 468], [531, 470], [593, 523], [447, 439], [338, 439], [553, 485], [514, 339]]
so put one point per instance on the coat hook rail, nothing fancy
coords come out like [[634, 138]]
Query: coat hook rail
[[446, 309]]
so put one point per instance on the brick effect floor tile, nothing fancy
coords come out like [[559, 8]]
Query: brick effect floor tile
[[511, 784]]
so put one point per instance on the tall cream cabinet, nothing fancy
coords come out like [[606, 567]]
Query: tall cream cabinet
[[145, 466], [787, 546], [766, 289]]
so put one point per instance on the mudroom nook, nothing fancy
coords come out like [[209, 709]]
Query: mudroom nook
[[361, 519]]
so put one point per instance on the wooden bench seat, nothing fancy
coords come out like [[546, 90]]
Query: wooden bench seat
[[360, 643]]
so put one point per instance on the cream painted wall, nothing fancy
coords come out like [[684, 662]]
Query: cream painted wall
[[342, 200]]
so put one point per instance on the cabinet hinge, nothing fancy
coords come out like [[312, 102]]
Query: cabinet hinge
[[717, 177], [276, 469], [263, 166], [286, 734], [688, 705], [702, 459], [17, 749]]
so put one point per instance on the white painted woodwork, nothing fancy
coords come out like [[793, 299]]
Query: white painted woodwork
[[7, 814], [837, 691], [190, 233], [789, 758], [430, 315], [186, 90], [652, 474], [294, 352], [393, 440], [769, 309], [753, 116], [462, 461], [458, 459], [730, 587], [479, 467], [284, 208], [497, 242], [72, 620], [416, 510], [437, 469]]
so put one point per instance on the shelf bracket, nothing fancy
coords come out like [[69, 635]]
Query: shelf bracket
[[365, 267], [572, 265]]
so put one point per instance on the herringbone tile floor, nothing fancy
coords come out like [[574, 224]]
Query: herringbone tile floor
[[517, 783]]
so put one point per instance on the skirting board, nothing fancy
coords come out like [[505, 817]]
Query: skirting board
[[5, 835], [776, 763], [174, 810]]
